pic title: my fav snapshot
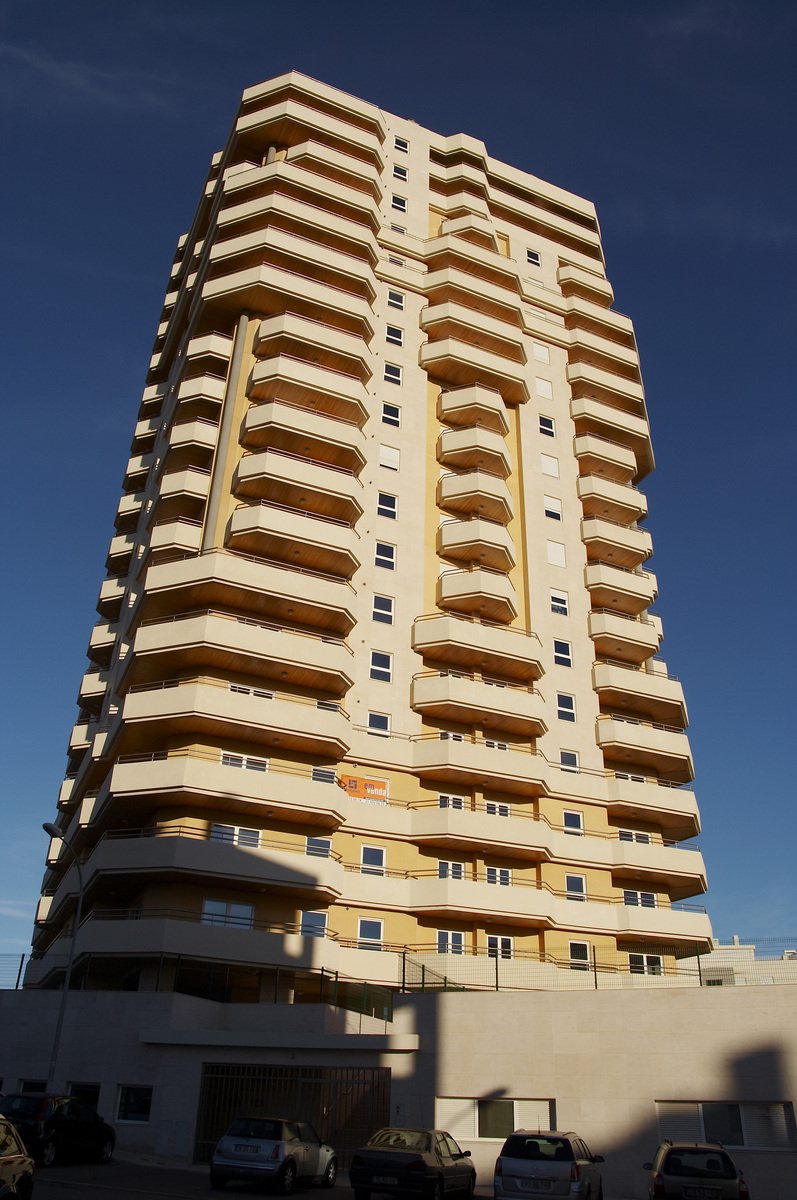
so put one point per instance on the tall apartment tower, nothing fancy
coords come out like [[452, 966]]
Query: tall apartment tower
[[375, 667]]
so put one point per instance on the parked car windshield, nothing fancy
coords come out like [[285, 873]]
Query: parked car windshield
[[256, 1127], [699, 1164], [402, 1139], [20, 1106], [537, 1147]]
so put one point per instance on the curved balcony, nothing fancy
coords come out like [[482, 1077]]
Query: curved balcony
[[447, 249], [271, 245], [289, 122], [300, 382], [473, 406], [101, 642], [460, 760], [476, 645], [648, 693], [343, 168], [619, 545], [593, 416], [609, 500], [200, 395], [646, 745], [476, 540], [295, 430], [128, 511], [598, 456], [190, 482], [109, 601], [270, 288], [594, 350], [586, 379], [460, 287], [265, 589], [454, 320], [299, 483], [332, 348], [474, 448], [619, 636], [616, 588], [632, 797], [190, 436], [180, 536], [119, 553], [212, 708], [296, 537], [475, 492], [241, 644], [93, 688], [459, 363], [488, 594], [473, 700]]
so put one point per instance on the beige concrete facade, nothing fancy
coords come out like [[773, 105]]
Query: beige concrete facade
[[374, 667]]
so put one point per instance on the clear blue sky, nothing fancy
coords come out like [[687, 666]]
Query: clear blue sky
[[677, 119]]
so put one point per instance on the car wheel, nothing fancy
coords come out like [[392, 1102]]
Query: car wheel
[[48, 1154], [331, 1174], [217, 1180], [106, 1151], [287, 1179]]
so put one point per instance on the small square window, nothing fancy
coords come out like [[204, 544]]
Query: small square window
[[391, 414], [573, 822], [382, 609], [568, 760], [533, 258], [498, 947], [579, 956], [387, 506], [389, 457], [547, 426], [562, 653], [446, 801], [369, 933], [544, 388], [134, 1104], [557, 556], [385, 556], [372, 860], [645, 964], [549, 465], [560, 603], [400, 172], [449, 942], [450, 870], [552, 507], [540, 352], [565, 707], [381, 666], [313, 924], [493, 809], [394, 335], [400, 143], [379, 723], [395, 299], [399, 203], [576, 887], [499, 875], [393, 373]]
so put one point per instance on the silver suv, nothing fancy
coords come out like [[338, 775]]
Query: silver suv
[[547, 1164], [691, 1170], [271, 1149]]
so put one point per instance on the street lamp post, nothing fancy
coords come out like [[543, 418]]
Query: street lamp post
[[55, 832]]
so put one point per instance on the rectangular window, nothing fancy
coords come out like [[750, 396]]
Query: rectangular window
[[385, 556], [576, 887], [400, 143], [395, 299], [389, 457], [492, 744], [395, 261], [381, 666], [226, 912], [549, 465], [533, 258], [400, 172], [387, 506], [645, 964], [633, 835], [568, 760], [313, 924], [496, 810], [397, 228], [445, 801], [573, 822], [369, 933], [560, 603], [382, 609], [562, 653], [394, 335], [552, 507], [393, 373], [499, 875], [450, 870], [372, 860], [639, 899], [323, 774], [579, 956], [391, 414], [496, 1118], [544, 388], [134, 1104], [565, 706], [450, 942], [547, 427], [399, 203], [244, 761], [235, 834], [318, 847], [499, 946], [540, 352], [556, 554], [379, 723]]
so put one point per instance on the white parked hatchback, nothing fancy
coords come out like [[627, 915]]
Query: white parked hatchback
[[547, 1164]]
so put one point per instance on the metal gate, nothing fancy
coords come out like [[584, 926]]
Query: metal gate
[[345, 1104]]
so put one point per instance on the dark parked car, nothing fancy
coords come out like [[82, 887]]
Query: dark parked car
[[272, 1150], [550, 1164], [683, 1170], [57, 1128], [412, 1162], [16, 1165]]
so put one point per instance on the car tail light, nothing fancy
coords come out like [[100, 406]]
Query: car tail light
[[658, 1185], [417, 1164], [499, 1167], [744, 1191], [575, 1173], [277, 1151]]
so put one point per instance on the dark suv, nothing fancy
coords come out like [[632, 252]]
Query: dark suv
[[56, 1128], [687, 1170]]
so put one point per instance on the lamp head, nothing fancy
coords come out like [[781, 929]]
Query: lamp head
[[53, 830]]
